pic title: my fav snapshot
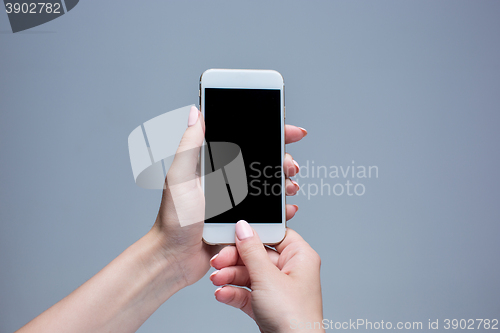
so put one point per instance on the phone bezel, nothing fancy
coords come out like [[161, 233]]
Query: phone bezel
[[223, 233]]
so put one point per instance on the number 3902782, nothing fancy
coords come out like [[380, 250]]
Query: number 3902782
[[470, 324], [33, 8]]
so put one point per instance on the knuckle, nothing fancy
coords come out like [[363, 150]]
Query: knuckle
[[232, 275], [315, 258], [309, 255], [243, 301], [232, 297]]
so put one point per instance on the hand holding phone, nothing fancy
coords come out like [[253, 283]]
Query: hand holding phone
[[285, 284], [168, 258], [245, 108], [185, 244]]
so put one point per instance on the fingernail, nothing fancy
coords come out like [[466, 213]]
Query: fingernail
[[295, 183], [296, 208], [303, 130], [216, 290], [213, 258], [213, 274], [193, 116], [297, 167], [243, 230]]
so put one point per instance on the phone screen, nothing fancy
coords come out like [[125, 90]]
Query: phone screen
[[250, 118]]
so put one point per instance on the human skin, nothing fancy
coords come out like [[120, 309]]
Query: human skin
[[122, 296], [285, 282]]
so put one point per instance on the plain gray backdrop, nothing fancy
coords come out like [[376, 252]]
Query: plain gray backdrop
[[410, 87]]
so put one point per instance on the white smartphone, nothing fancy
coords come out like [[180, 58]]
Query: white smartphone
[[245, 108]]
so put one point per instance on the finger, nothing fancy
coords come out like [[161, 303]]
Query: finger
[[291, 187], [290, 166], [290, 211], [253, 253], [294, 245], [294, 133], [202, 121], [186, 156], [228, 256], [236, 275], [291, 237], [213, 250], [273, 255], [236, 297], [295, 248]]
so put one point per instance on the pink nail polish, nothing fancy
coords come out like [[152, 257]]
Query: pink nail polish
[[193, 116], [212, 259], [303, 130], [295, 183], [243, 230], [297, 167]]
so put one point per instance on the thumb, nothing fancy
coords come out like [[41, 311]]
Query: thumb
[[252, 252], [186, 157]]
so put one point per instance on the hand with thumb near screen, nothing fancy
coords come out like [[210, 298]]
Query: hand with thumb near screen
[[285, 283], [169, 257]]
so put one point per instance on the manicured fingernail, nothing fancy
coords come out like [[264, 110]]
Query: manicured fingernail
[[216, 290], [213, 274], [297, 167], [243, 230], [213, 258], [295, 183], [303, 130], [193, 116], [296, 208]]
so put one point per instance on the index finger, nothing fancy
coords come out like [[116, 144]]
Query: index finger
[[294, 133], [291, 237], [229, 256]]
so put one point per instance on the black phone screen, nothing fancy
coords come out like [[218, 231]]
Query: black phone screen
[[250, 118]]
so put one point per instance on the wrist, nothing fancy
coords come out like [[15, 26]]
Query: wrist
[[161, 264]]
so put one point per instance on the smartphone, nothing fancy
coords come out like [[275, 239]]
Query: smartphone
[[244, 111]]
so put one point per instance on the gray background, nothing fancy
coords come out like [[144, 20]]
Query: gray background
[[412, 87]]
